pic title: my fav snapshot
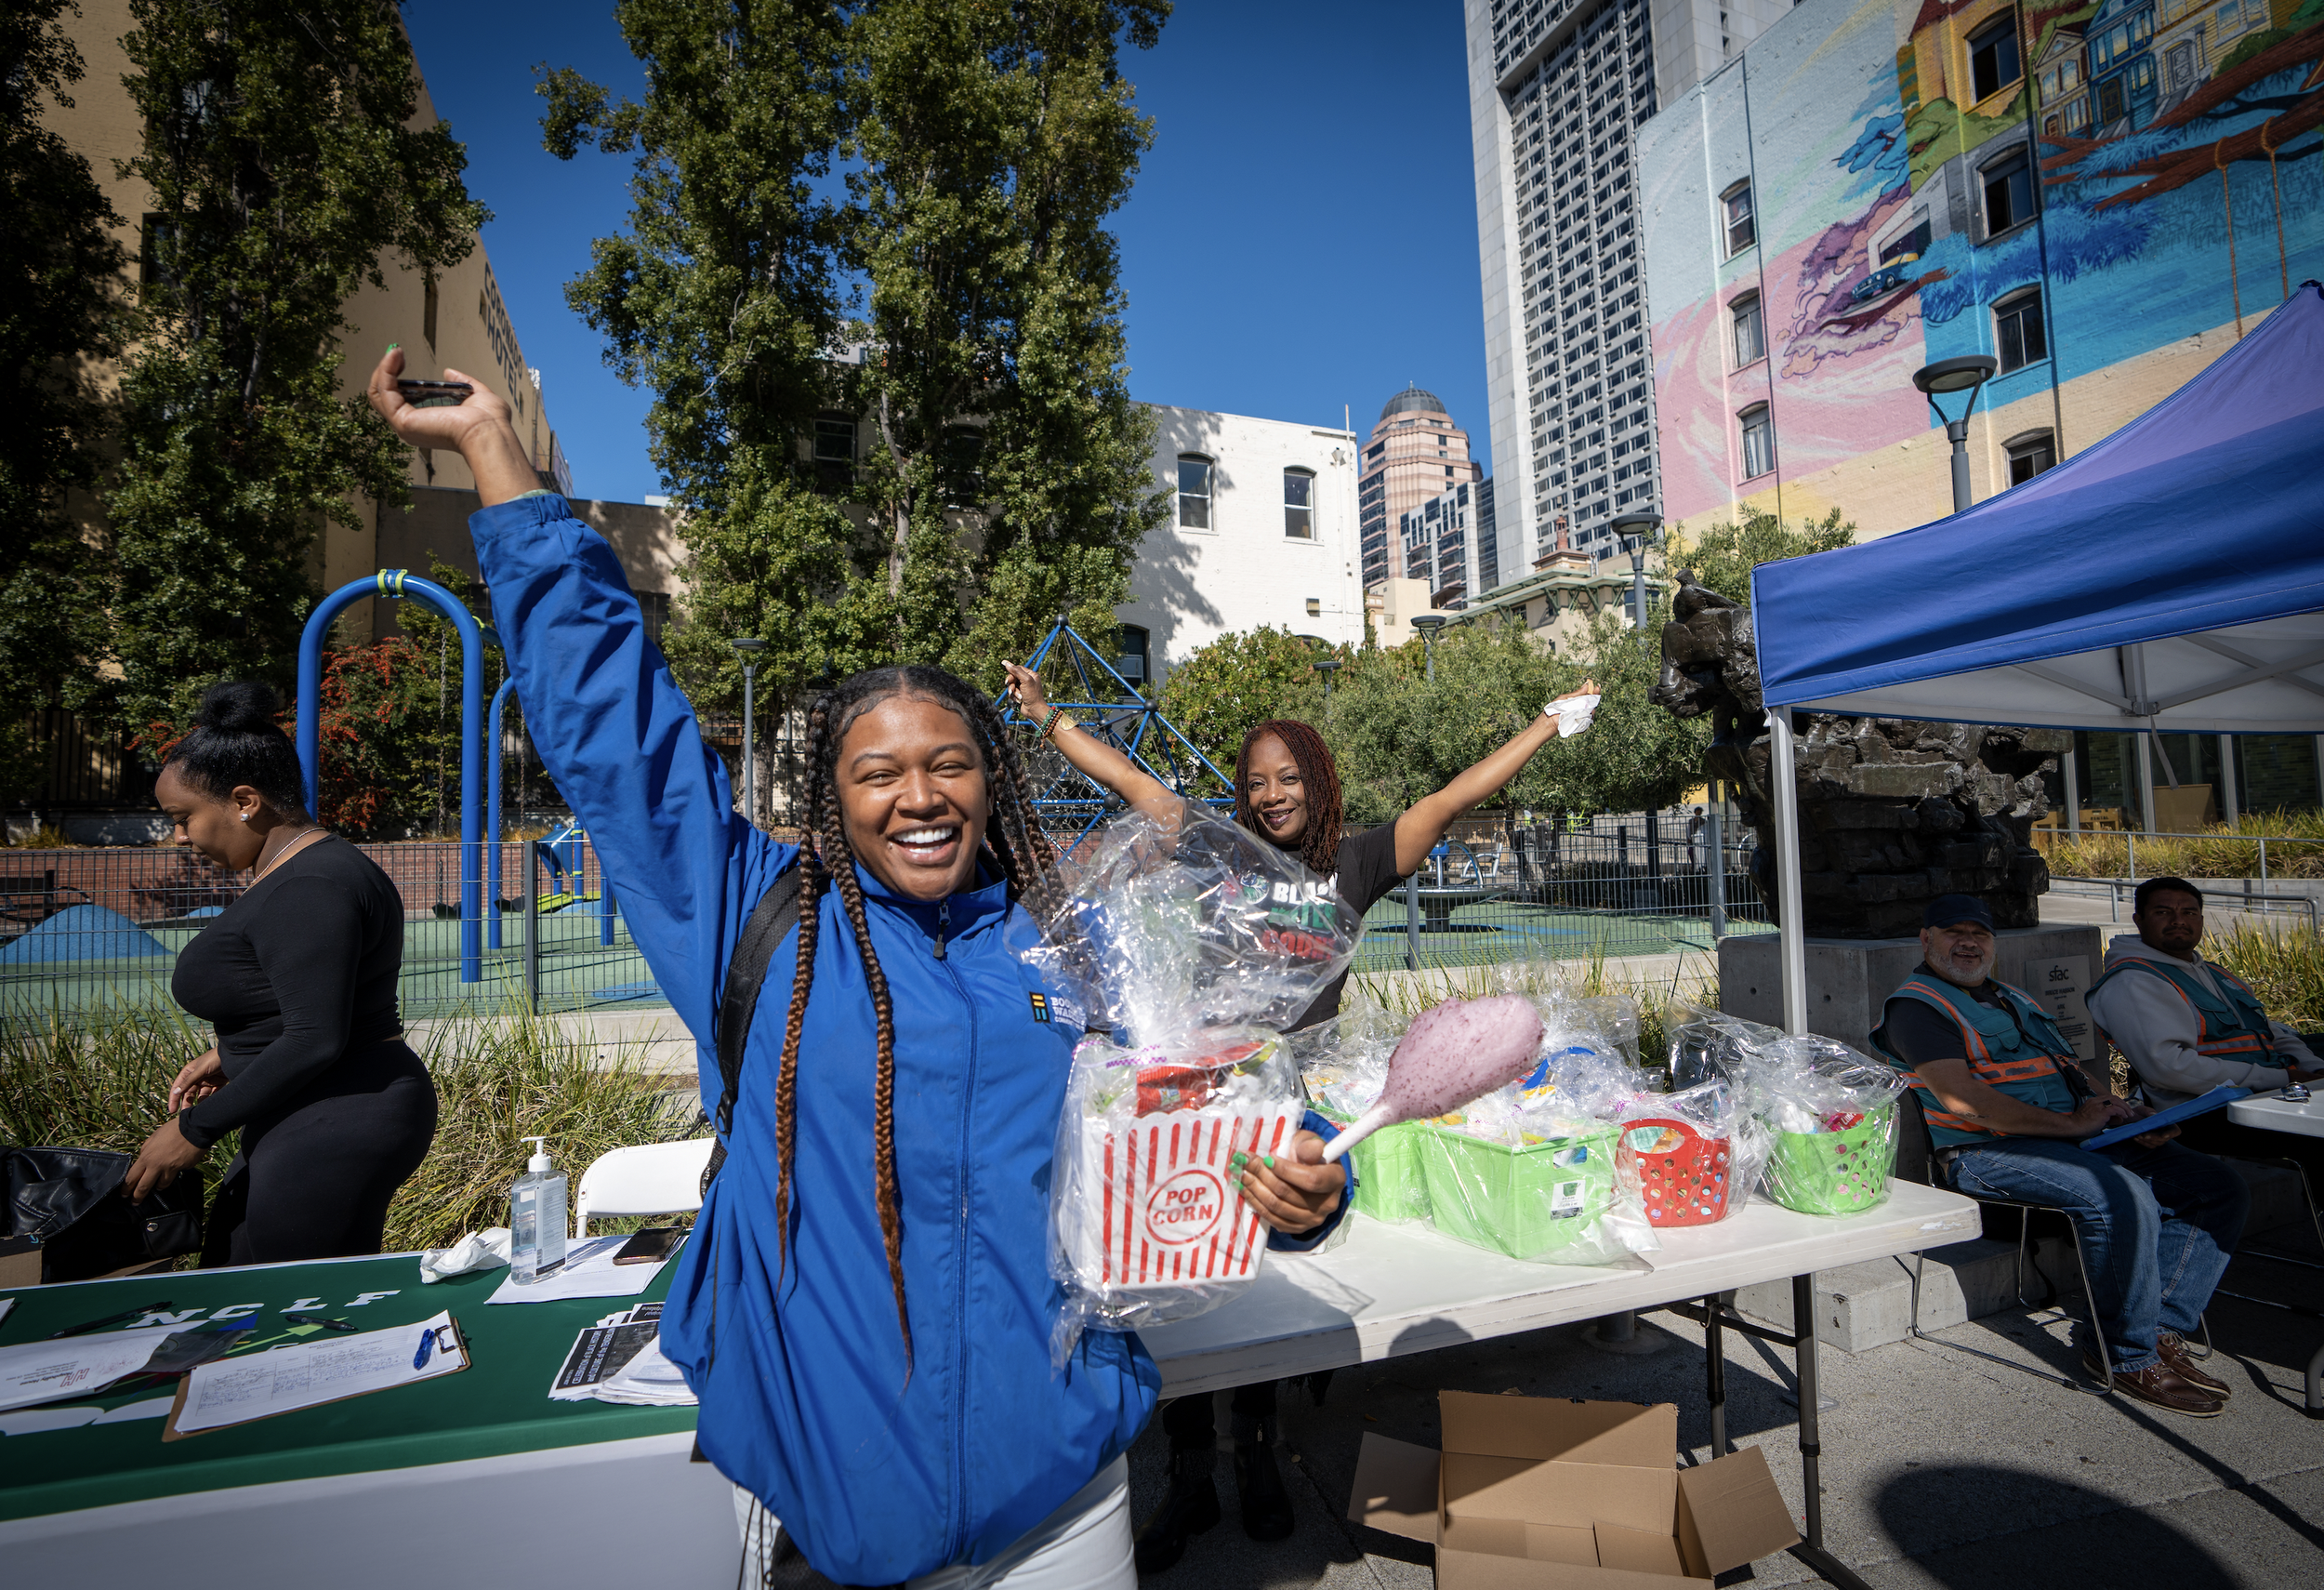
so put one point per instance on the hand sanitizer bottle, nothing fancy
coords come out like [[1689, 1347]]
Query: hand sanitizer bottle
[[536, 1219]]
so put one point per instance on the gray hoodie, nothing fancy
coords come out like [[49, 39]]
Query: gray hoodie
[[2155, 1028]]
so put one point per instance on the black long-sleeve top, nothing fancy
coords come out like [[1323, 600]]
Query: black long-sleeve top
[[296, 974]]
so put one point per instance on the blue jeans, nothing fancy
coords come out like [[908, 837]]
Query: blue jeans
[[2157, 1226]]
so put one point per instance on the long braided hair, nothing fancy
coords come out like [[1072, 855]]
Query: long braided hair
[[1319, 777], [1014, 844]]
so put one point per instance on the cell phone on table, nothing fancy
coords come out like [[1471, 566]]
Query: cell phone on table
[[434, 394], [651, 1246]]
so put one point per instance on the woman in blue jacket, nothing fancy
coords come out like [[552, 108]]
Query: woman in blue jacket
[[865, 1311]]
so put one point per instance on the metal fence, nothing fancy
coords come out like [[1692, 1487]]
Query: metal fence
[[88, 933], [95, 932]]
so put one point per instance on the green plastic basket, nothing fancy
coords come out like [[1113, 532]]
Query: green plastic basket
[[1529, 1204], [1835, 1173], [1390, 1183]]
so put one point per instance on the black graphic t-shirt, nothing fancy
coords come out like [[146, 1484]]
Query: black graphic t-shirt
[[1367, 871]]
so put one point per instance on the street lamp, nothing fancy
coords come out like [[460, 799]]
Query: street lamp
[[1963, 375], [1327, 667], [1637, 528], [1427, 624], [749, 650]]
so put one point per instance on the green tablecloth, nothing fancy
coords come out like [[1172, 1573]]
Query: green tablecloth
[[497, 1406]]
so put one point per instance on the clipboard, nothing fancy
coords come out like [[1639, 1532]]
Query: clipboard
[[2219, 1097], [317, 1373]]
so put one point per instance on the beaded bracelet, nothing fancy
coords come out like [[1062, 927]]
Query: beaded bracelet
[[1049, 724]]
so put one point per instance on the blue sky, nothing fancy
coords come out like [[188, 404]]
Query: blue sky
[[1303, 236]]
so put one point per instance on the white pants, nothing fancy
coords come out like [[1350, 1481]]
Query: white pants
[[1084, 1545]]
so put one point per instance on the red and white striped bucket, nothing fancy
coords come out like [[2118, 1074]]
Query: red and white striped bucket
[[1170, 1214]]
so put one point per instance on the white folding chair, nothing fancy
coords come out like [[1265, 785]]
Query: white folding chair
[[653, 1178]]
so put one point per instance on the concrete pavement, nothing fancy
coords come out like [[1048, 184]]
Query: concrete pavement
[[1966, 1462]]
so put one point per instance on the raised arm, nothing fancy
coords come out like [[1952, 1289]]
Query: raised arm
[[1423, 825], [616, 733], [1091, 756]]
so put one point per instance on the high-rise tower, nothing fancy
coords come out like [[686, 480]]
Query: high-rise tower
[[1416, 453], [1556, 90]]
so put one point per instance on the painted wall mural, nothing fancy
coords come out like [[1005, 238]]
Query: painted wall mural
[[2064, 187]]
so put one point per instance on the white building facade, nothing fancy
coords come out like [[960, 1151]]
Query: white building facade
[[1263, 531], [1556, 91]]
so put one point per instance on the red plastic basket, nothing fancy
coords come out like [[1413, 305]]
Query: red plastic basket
[[1684, 1176]]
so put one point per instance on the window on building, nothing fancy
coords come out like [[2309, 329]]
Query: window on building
[[153, 240], [1193, 491], [1750, 338], [1133, 663], [1741, 230], [2030, 454], [1758, 441], [2009, 191], [2017, 329], [1993, 56], [835, 450], [428, 312], [655, 606]]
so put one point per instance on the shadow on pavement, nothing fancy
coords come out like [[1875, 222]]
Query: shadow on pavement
[[2106, 1547]]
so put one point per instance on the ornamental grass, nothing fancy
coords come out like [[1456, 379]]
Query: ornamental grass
[[500, 1076], [2284, 964], [2295, 849]]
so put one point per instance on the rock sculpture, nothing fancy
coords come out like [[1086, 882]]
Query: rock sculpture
[[1892, 811]]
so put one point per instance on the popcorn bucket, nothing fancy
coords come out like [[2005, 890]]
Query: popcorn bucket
[[1838, 1172], [1168, 1214], [1527, 1202], [1684, 1176]]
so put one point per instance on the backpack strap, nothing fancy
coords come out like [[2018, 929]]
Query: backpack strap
[[770, 922]]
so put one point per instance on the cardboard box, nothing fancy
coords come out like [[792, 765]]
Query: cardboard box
[[1551, 1494]]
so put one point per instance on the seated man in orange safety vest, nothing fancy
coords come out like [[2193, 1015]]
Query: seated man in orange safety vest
[[2187, 1025], [2007, 1100]]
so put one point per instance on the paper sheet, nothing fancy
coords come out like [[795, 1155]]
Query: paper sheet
[[589, 1272], [307, 1374], [34, 1372]]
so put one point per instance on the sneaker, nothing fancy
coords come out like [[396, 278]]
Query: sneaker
[[2161, 1386], [2183, 1363], [1190, 1507]]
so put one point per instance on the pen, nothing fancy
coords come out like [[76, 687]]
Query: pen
[[427, 1347], [121, 1318]]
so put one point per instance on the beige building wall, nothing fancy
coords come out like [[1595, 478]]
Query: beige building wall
[[463, 323]]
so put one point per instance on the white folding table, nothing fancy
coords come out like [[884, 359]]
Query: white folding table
[[1391, 1290], [2273, 1112]]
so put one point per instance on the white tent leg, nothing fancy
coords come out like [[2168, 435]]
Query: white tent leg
[[1793, 949], [2228, 800]]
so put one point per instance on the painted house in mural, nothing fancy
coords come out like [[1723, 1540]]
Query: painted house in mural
[[2102, 198]]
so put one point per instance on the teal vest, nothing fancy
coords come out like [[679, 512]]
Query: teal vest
[[2017, 1051], [2229, 1026]]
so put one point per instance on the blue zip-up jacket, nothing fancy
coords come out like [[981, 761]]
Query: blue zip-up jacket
[[804, 1399]]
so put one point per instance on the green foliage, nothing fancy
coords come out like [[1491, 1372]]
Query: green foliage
[[1005, 472], [2284, 965], [2228, 850], [2257, 45], [60, 311], [1243, 677], [1723, 558], [1399, 737], [282, 171]]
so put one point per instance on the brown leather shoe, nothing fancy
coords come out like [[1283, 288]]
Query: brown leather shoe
[[2183, 1363], [2161, 1386]]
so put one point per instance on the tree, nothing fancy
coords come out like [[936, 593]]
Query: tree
[[1243, 678], [1723, 558], [60, 312], [1008, 475], [284, 171]]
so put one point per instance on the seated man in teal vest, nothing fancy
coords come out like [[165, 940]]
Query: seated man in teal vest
[[2187, 1025], [2007, 1101]]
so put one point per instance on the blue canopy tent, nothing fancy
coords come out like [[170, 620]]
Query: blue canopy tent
[[2169, 578]]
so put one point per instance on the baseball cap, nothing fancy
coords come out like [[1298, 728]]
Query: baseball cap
[[1948, 910]]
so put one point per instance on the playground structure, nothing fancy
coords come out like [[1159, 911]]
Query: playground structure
[[1069, 801]]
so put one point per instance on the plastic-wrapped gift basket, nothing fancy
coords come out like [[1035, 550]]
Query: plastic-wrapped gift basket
[[1345, 1065], [1532, 1170], [1197, 941], [1697, 1153]]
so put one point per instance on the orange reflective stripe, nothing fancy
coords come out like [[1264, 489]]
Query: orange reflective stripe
[[1936, 1114], [2016, 1070], [1971, 1037], [2239, 1043]]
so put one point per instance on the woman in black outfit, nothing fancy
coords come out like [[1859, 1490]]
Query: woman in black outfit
[[297, 979], [1286, 791]]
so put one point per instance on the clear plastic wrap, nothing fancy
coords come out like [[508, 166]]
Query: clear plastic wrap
[[1194, 941], [1344, 1064], [1829, 1112]]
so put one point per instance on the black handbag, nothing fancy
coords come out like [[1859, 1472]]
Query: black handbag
[[65, 1204]]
